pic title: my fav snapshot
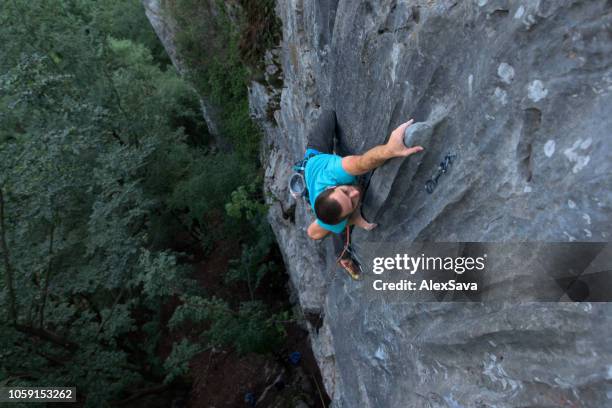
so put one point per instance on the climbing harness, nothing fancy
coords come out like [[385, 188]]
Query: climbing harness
[[297, 183], [351, 255], [431, 184]]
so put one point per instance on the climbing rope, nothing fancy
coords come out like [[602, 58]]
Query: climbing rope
[[346, 245], [351, 253], [431, 184]]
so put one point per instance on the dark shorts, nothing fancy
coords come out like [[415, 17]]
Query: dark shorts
[[323, 133]]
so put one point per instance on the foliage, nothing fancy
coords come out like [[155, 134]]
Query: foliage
[[103, 159], [159, 274], [177, 364], [261, 30], [126, 20], [254, 262], [246, 203], [86, 120], [215, 177], [251, 329], [209, 46]]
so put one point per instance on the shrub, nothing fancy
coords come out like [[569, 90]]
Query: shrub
[[250, 329]]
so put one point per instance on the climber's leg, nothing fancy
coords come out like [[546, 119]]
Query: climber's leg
[[321, 138], [339, 241], [322, 135]]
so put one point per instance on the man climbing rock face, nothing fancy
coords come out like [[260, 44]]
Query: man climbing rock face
[[331, 180]]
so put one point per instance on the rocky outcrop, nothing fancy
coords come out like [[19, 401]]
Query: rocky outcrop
[[520, 94], [166, 28]]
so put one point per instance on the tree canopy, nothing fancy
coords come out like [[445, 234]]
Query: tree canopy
[[103, 155]]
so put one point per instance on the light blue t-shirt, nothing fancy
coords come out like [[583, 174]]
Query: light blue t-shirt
[[322, 171]]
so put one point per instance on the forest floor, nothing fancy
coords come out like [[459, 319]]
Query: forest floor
[[220, 377]]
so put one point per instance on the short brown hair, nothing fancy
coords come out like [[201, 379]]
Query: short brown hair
[[327, 209]]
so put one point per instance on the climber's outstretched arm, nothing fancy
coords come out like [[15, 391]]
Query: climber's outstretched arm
[[361, 164], [315, 231]]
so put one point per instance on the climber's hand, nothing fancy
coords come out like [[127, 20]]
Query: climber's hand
[[369, 226], [395, 146], [358, 220]]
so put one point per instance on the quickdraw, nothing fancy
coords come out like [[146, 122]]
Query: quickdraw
[[431, 184]]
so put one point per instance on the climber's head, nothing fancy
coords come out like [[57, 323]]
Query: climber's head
[[337, 203]]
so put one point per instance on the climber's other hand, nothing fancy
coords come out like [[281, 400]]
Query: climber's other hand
[[369, 226], [358, 220], [395, 146]]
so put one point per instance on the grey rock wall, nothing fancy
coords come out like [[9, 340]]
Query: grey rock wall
[[520, 92]]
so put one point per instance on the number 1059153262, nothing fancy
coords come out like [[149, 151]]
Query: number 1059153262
[[37, 394]]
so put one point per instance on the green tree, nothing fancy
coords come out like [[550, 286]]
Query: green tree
[[85, 121], [103, 157]]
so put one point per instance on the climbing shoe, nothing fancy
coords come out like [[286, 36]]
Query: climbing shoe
[[351, 267]]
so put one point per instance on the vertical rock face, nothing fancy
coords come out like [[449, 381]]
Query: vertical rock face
[[521, 93]]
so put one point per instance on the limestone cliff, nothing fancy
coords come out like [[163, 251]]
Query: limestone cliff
[[520, 92]]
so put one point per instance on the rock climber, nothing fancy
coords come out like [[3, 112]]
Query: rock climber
[[331, 180]]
